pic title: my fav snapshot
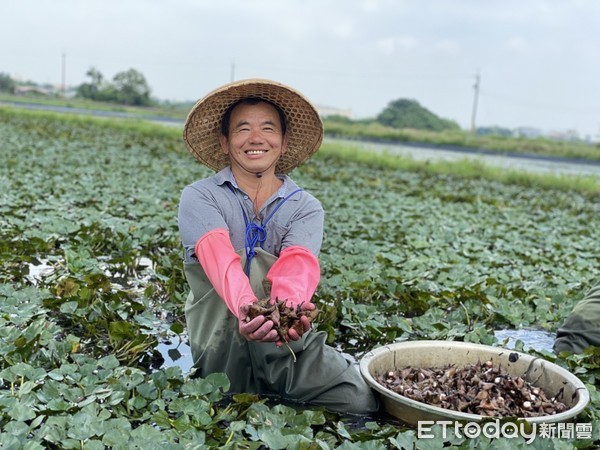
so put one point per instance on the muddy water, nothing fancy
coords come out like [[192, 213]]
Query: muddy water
[[177, 352], [532, 338], [520, 162]]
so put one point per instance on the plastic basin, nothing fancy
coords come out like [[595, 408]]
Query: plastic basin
[[437, 354]]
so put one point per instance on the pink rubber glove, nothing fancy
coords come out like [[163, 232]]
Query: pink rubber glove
[[223, 268], [294, 277]]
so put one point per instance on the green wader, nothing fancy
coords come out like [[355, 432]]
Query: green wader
[[582, 327], [320, 376]]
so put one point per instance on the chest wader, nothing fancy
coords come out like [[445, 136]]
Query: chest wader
[[321, 375], [582, 327]]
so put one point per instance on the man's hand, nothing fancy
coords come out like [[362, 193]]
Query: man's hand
[[305, 321], [258, 329]]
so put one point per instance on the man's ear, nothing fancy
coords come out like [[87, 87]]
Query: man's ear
[[284, 143], [224, 143]]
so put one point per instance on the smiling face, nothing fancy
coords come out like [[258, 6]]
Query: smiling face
[[255, 139]]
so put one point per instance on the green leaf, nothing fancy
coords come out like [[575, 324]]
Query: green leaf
[[58, 404], [21, 412], [121, 330], [177, 328], [108, 362]]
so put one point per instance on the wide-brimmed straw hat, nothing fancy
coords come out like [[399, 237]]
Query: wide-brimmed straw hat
[[203, 124]]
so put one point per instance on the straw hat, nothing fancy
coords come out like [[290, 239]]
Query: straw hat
[[203, 124]]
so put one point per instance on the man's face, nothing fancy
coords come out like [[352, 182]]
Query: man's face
[[255, 140]]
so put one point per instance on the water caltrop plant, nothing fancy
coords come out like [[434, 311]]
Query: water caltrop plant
[[91, 283]]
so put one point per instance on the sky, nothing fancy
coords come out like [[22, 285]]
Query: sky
[[538, 61]]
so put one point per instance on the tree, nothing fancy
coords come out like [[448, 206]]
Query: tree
[[131, 88], [92, 89], [7, 84], [128, 88], [404, 113]]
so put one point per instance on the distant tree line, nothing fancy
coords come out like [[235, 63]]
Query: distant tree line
[[127, 88], [7, 84], [405, 113], [402, 114], [131, 88]]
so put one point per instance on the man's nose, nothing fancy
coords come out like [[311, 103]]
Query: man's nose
[[256, 136]]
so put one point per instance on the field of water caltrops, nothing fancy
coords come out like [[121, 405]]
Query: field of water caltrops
[[91, 281]]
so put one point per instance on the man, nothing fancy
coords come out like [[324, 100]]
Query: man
[[582, 327], [250, 233]]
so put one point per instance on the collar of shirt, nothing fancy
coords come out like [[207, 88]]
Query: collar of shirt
[[226, 176]]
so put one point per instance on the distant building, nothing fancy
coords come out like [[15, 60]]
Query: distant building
[[528, 132], [27, 89], [49, 90], [325, 111], [568, 135]]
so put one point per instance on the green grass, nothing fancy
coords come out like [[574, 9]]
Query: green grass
[[539, 146], [372, 130], [176, 111], [467, 168], [135, 124]]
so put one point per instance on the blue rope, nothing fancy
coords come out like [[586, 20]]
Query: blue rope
[[279, 205], [254, 234], [257, 234]]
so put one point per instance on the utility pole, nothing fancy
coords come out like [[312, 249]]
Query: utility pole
[[63, 85], [475, 100]]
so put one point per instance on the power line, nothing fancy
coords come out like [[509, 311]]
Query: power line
[[513, 101]]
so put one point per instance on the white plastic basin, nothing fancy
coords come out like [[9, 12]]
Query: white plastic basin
[[437, 354]]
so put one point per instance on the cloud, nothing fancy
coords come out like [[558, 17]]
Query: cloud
[[358, 54], [448, 46], [517, 44], [391, 45], [343, 28]]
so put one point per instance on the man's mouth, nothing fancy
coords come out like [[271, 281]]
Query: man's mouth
[[255, 152]]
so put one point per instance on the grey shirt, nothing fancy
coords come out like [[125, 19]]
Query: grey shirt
[[210, 203]]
